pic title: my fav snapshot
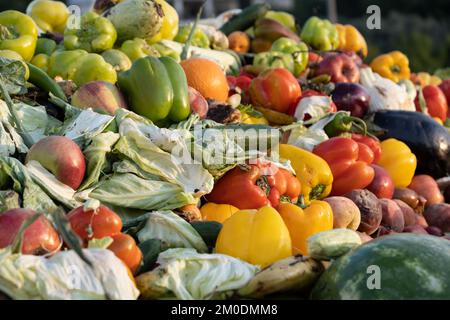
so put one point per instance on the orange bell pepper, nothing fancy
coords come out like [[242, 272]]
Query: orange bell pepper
[[303, 223], [217, 212]]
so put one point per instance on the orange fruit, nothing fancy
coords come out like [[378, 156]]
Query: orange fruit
[[207, 77], [239, 42]]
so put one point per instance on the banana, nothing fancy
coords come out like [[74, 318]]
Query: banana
[[271, 30], [295, 273]]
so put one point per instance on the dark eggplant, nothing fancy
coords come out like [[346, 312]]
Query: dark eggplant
[[427, 139]]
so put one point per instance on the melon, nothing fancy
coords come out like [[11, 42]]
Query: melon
[[394, 267]]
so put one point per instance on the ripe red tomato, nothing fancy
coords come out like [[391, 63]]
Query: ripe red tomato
[[275, 89], [97, 224], [125, 248]]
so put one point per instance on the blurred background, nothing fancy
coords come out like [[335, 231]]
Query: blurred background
[[419, 28]]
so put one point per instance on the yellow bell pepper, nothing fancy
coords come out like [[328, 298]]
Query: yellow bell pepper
[[217, 212], [49, 15], [18, 33], [312, 171], [169, 27], [393, 65], [12, 55], [350, 39], [303, 223], [399, 162], [259, 237]]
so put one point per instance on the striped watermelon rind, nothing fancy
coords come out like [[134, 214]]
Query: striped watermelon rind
[[411, 266]]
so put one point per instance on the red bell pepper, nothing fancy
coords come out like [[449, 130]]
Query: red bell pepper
[[435, 101], [255, 186], [445, 88], [372, 142], [275, 89], [350, 169]]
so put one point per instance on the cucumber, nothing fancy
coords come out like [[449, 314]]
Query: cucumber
[[246, 18], [208, 230], [332, 244], [43, 81], [150, 249]]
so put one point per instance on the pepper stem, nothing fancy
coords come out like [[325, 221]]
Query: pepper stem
[[5, 33]]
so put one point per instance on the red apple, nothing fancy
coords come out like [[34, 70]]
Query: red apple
[[198, 103], [62, 157], [99, 95], [382, 185], [39, 238], [340, 67], [445, 88]]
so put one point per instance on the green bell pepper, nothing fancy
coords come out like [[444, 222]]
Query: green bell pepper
[[64, 63], [80, 66], [274, 59], [45, 46], [92, 67], [168, 98], [165, 51], [299, 52], [117, 59], [199, 39], [96, 34], [320, 34], [138, 48], [18, 33]]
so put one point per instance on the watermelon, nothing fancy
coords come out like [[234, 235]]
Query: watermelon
[[394, 267]]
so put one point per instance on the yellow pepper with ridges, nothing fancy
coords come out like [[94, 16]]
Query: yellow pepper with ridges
[[169, 27], [303, 223], [350, 39], [259, 237], [49, 15], [312, 171], [393, 65], [18, 33], [398, 160]]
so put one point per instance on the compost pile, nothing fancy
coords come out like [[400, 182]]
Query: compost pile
[[229, 158]]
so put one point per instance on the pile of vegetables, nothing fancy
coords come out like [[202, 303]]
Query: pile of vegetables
[[107, 192]]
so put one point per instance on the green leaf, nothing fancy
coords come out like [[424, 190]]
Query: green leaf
[[9, 199], [184, 53], [95, 155], [102, 243], [172, 230], [70, 238], [13, 75], [15, 117]]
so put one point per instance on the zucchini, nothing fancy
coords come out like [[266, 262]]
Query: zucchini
[[208, 230], [246, 18], [43, 81], [150, 249]]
